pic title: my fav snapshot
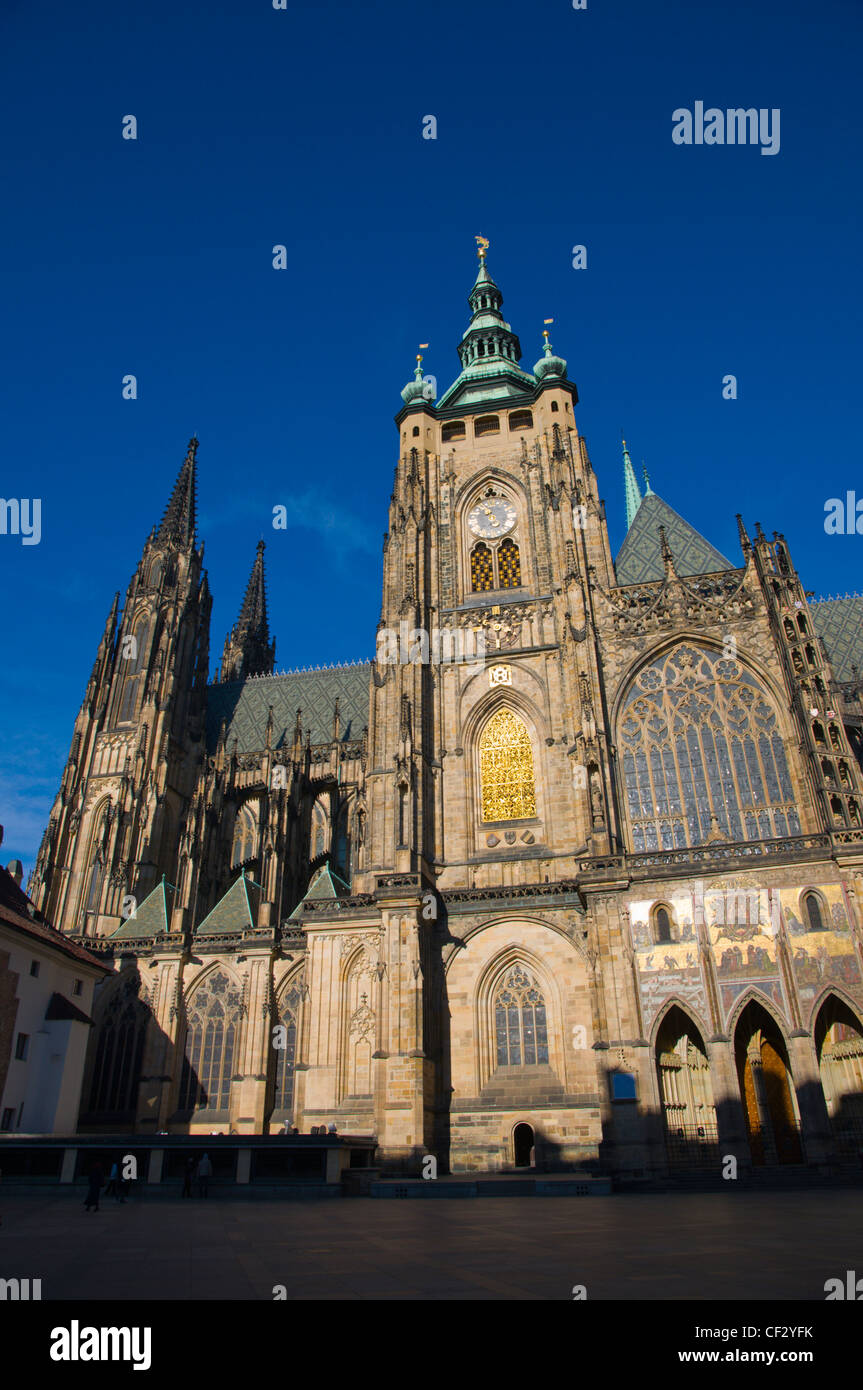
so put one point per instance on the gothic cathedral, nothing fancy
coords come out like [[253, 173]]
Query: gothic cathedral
[[569, 874]]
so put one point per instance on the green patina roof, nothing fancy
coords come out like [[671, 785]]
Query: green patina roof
[[236, 912], [245, 706], [839, 624], [639, 559], [631, 488], [325, 884], [152, 916]]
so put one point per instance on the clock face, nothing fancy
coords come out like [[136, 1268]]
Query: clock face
[[491, 516]]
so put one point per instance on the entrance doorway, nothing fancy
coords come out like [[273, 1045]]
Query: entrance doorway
[[766, 1090], [522, 1144]]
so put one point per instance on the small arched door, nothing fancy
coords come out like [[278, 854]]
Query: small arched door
[[522, 1145]]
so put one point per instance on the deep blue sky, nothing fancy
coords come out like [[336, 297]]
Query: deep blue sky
[[303, 127]]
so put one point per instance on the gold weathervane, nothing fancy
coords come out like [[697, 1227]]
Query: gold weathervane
[[482, 244]]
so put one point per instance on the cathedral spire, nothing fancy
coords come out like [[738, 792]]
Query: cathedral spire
[[178, 523], [633, 495], [248, 649]]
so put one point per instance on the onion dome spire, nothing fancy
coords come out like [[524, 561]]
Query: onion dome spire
[[548, 364], [178, 524], [631, 490], [418, 389]]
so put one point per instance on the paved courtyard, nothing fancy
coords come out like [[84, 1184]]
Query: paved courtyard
[[769, 1246]]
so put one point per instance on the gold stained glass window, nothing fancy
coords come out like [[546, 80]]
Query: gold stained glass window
[[506, 769], [509, 564], [481, 569], [702, 752]]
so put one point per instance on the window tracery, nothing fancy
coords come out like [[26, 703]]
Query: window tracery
[[211, 1033], [702, 754], [521, 1029]]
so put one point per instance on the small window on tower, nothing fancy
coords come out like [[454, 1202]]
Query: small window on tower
[[486, 424], [416, 431], [481, 569], [453, 429]]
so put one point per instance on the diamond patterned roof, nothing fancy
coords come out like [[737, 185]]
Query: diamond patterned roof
[[639, 559], [325, 884], [235, 912], [151, 916], [839, 624], [245, 705]]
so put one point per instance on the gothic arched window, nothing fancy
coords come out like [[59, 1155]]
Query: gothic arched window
[[506, 769], [245, 837], [289, 1013], [211, 1033], [132, 663], [122, 1029], [481, 569], [813, 915], [520, 1027], [702, 752], [508, 565], [662, 925]]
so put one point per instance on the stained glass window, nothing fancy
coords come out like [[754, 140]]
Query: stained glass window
[[702, 752], [506, 769], [508, 565], [813, 912], [208, 1063], [481, 569], [521, 1033]]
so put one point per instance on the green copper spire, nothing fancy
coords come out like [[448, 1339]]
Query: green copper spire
[[633, 496]]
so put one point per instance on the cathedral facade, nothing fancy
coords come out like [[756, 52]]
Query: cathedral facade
[[569, 874]]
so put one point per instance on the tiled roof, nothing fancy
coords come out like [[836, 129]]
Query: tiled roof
[[236, 912], [639, 559], [325, 884], [245, 706], [152, 916], [15, 910], [839, 624]]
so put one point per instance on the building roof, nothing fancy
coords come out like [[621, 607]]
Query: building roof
[[152, 916], [235, 912], [639, 559], [839, 624], [19, 914], [60, 1008], [325, 884], [245, 706]]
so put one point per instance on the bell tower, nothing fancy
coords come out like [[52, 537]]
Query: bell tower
[[486, 709]]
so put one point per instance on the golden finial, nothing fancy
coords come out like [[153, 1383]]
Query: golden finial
[[482, 244]]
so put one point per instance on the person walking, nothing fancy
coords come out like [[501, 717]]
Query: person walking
[[95, 1179], [204, 1173], [188, 1174]]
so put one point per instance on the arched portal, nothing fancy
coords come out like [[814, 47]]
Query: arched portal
[[766, 1088], [839, 1044], [523, 1146], [685, 1090]]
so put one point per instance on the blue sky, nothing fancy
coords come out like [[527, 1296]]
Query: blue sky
[[304, 127]]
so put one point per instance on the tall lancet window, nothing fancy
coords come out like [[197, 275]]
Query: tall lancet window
[[133, 660], [506, 769], [289, 1013], [208, 1063], [702, 754], [481, 569], [521, 1031]]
